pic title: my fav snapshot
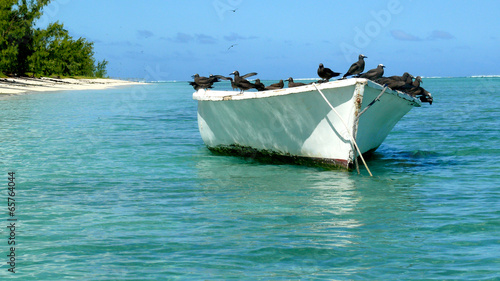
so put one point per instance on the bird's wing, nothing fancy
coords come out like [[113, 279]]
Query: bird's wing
[[331, 72], [249, 74], [222, 77], [353, 67], [202, 80]]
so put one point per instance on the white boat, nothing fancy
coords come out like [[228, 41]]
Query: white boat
[[316, 123]]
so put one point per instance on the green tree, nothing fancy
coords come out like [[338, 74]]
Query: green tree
[[17, 18], [100, 71], [56, 52], [40, 60], [42, 51]]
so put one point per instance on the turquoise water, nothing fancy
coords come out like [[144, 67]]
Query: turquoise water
[[118, 185]]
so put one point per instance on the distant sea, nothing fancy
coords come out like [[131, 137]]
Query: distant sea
[[118, 185]]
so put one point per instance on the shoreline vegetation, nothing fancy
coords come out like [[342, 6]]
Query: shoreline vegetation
[[29, 54], [24, 85], [28, 51]]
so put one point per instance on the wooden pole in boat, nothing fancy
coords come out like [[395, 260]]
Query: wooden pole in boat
[[345, 124]]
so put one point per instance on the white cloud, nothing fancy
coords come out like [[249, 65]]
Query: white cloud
[[404, 36], [144, 33]]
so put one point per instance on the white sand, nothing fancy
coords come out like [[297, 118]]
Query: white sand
[[25, 85]]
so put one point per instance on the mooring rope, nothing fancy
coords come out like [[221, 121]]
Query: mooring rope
[[373, 101], [347, 128]]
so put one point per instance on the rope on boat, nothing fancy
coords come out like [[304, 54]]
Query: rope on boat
[[347, 128], [371, 103]]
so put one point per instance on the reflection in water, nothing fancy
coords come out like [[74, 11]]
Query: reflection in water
[[282, 212], [299, 206]]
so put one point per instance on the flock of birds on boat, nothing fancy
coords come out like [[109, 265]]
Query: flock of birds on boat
[[406, 83]]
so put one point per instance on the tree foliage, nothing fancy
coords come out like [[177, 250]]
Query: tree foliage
[[55, 52], [50, 51]]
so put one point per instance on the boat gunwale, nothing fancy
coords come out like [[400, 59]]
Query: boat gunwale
[[219, 95]]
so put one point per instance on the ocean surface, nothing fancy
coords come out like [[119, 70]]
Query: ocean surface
[[118, 185]]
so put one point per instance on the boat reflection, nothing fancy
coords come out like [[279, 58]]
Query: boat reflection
[[292, 202], [300, 218]]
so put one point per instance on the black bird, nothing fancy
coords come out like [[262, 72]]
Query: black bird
[[197, 87], [426, 97], [243, 85], [292, 84], [357, 67], [201, 82], [397, 82], [374, 74], [407, 77], [403, 78], [422, 93], [259, 86], [410, 85], [232, 83], [238, 78], [326, 73], [391, 83], [276, 86], [240, 81], [406, 84], [416, 91], [417, 81]]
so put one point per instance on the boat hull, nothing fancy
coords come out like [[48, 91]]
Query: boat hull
[[297, 124]]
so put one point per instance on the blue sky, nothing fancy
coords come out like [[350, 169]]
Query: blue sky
[[171, 40]]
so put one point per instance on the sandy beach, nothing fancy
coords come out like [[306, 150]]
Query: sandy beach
[[24, 85]]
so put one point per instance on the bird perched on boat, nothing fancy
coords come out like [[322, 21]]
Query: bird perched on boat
[[238, 78], [374, 74], [426, 97], [241, 82], [259, 85], [406, 84], [292, 84], [242, 85], [357, 67], [276, 86], [422, 93], [404, 78], [326, 73], [201, 82], [415, 91], [397, 82], [197, 87], [232, 83], [410, 85], [417, 81]]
